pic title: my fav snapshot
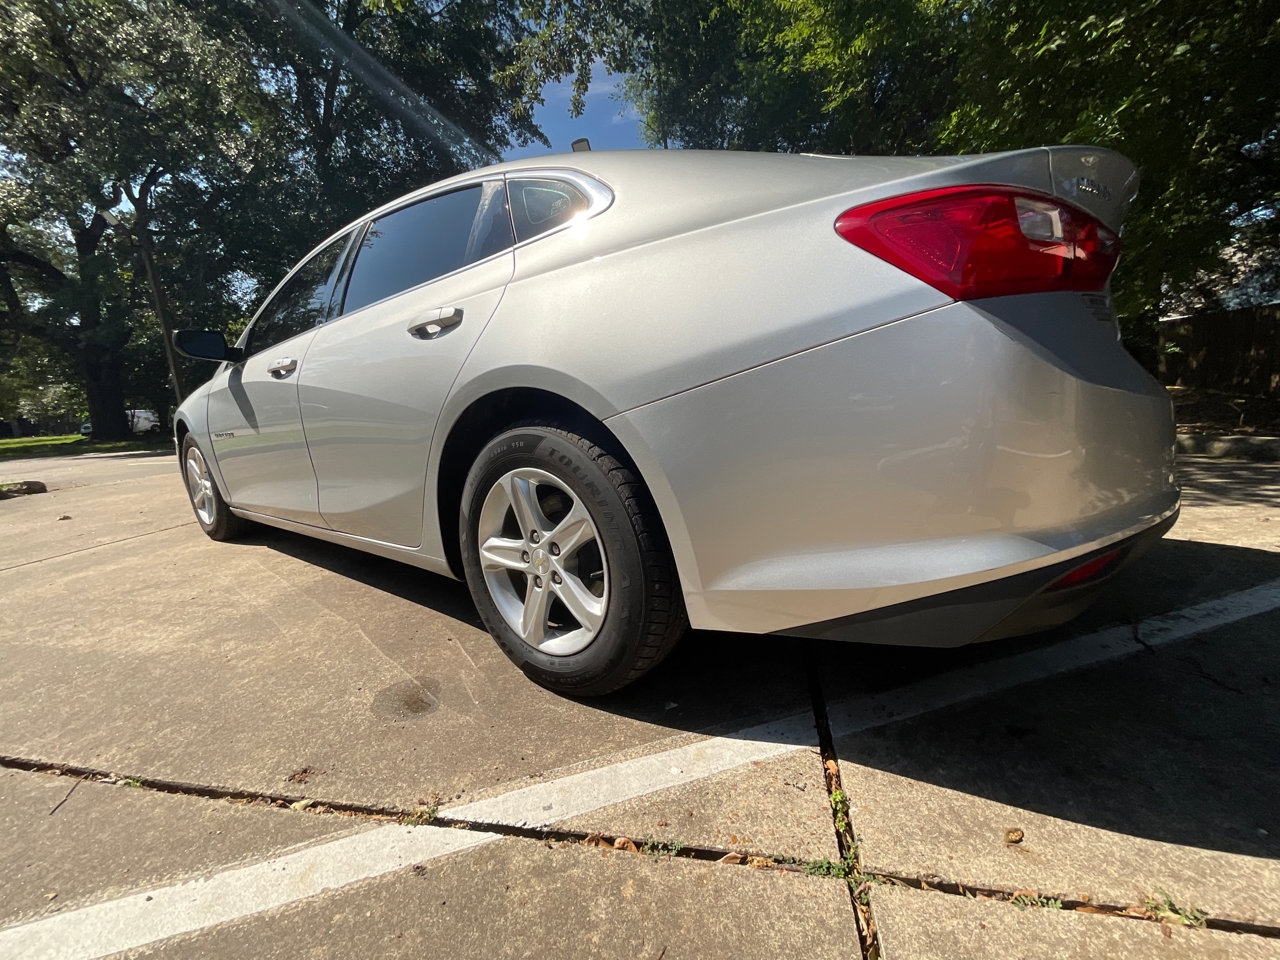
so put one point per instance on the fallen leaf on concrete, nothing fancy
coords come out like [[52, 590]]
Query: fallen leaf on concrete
[[595, 840], [65, 516], [50, 896], [301, 804], [622, 843], [731, 858], [1168, 934], [833, 768], [760, 863], [1088, 909], [1032, 894], [1013, 835]]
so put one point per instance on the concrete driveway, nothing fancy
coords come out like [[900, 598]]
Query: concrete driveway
[[281, 748]]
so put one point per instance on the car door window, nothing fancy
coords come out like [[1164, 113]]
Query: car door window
[[300, 304], [419, 243], [541, 205]]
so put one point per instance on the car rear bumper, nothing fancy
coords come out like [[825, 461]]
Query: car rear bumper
[[969, 445], [1007, 607]]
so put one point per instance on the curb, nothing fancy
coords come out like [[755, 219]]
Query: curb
[[1261, 449]]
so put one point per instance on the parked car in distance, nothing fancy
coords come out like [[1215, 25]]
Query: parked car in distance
[[874, 398], [140, 421], [143, 421]]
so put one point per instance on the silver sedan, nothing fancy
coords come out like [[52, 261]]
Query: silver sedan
[[876, 399]]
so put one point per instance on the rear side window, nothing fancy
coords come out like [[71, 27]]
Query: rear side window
[[541, 205], [300, 304], [416, 244]]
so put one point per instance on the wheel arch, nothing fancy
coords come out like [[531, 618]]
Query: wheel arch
[[491, 414]]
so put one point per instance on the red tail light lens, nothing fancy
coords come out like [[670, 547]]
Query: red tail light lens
[[1092, 570], [986, 241]]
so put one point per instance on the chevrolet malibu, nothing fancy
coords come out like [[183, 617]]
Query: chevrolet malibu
[[872, 399]]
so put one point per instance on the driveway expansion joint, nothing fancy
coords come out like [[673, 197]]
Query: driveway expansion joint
[[1026, 899], [95, 546], [421, 817], [846, 843]]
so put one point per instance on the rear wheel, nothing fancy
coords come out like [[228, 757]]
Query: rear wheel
[[211, 510], [567, 562]]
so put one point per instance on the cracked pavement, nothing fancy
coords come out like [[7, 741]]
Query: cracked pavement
[[285, 748]]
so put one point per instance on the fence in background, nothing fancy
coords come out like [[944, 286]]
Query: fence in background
[[1236, 351]]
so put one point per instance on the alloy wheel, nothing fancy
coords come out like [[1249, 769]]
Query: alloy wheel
[[543, 562], [200, 486]]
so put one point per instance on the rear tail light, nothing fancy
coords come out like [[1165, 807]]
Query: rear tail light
[[986, 241]]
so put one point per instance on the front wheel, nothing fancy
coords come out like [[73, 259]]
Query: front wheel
[[211, 510], [567, 561]]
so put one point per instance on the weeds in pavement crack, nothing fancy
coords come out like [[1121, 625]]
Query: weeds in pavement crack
[[657, 849], [1161, 907], [848, 869], [1025, 901]]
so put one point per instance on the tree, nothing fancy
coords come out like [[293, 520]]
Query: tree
[[1188, 90], [99, 100], [228, 138]]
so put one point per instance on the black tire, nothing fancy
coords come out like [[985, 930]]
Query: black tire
[[212, 513], [644, 615]]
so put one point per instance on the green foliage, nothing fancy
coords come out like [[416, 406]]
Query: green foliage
[[38, 384], [1024, 901], [1161, 907], [657, 849], [228, 139], [1188, 90], [422, 816], [844, 869], [840, 808]]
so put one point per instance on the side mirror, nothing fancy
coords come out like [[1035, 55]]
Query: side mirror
[[205, 345]]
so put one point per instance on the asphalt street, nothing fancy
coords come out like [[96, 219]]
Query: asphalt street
[[282, 748]]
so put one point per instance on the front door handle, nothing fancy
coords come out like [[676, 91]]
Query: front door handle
[[435, 322], [282, 368]]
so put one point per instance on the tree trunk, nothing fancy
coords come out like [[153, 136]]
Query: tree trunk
[[104, 389]]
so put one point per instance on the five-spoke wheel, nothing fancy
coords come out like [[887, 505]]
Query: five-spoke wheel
[[542, 561], [211, 510], [566, 561]]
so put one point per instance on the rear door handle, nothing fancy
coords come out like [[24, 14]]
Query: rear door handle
[[282, 368], [435, 322]]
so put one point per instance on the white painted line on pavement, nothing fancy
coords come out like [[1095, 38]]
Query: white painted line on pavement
[[580, 793], [96, 931], [1110, 643], [141, 918]]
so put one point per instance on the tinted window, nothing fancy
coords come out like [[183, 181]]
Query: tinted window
[[427, 240], [300, 304], [541, 205]]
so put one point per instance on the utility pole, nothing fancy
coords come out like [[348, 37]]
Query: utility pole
[[143, 240]]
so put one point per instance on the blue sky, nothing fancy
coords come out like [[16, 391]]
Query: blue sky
[[609, 123]]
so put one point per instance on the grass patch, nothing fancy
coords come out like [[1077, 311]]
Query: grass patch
[[72, 444]]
